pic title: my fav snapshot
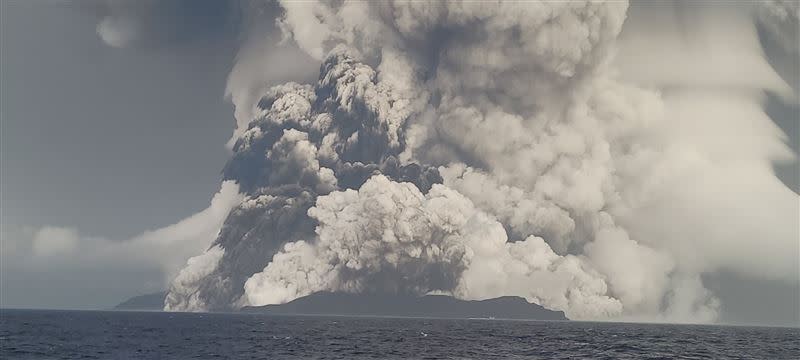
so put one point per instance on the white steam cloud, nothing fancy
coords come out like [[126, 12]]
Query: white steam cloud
[[185, 285], [388, 236], [62, 249]]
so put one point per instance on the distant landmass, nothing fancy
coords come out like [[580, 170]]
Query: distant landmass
[[440, 306], [150, 302], [334, 303]]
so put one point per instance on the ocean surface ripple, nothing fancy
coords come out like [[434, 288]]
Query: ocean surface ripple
[[36, 334]]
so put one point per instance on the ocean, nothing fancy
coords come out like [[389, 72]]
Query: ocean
[[37, 334]]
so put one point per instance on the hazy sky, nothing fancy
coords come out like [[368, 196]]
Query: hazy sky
[[116, 141], [110, 141]]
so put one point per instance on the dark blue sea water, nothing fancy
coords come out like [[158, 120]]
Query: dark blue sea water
[[29, 334]]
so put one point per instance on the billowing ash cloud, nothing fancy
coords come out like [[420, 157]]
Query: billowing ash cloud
[[485, 149], [305, 141], [390, 237]]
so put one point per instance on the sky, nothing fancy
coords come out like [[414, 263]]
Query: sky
[[110, 141], [108, 138], [65, 95]]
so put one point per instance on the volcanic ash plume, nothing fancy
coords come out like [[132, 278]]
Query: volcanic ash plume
[[476, 149], [389, 237], [306, 141]]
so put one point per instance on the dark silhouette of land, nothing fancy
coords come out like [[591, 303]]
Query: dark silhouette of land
[[332, 303], [150, 302], [440, 306]]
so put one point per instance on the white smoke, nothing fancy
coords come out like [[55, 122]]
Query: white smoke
[[62, 249], [183, 293], [712, 197], [51, 241]]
